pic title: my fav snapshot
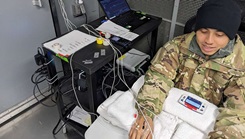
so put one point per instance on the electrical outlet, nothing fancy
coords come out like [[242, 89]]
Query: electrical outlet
[[76, 10], [82, 9], [37, 3], [81, 4]]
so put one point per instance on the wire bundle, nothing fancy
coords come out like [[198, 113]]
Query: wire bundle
[[41, 76], [68, 23]]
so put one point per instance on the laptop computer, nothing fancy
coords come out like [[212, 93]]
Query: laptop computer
[[119, 12]]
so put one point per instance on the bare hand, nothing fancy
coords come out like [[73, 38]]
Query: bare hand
[[142, 128]]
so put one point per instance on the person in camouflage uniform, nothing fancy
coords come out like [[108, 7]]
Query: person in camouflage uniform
[[209, 62]]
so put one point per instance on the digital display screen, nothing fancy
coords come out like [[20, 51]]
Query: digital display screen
[[113, 8], [193, 102], [115, 38]]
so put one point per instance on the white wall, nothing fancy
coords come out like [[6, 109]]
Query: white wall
[[23, 28]]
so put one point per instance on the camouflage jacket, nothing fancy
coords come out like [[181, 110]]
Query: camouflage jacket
[[221, 81]]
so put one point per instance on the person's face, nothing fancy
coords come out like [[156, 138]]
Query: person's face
[[211, 40]]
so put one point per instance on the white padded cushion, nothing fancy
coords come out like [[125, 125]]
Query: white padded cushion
[[102, 129], [204, 122]]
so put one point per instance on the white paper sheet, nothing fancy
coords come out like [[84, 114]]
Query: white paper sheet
[[69, 43], [116, 30]]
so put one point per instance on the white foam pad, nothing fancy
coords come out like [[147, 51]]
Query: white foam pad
[[204, 122], [186, 131], [103, 129]]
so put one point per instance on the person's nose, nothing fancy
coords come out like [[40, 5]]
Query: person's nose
[[209, 39]]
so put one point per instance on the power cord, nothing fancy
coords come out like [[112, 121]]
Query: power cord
[[55, 129], [68, 23], [41, 76]]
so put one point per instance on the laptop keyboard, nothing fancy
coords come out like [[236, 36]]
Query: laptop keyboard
[[131, 20], [125, 20]]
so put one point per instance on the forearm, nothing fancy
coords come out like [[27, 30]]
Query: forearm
[[153, 94], [158, 81]]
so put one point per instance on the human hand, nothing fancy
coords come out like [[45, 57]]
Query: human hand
[[142, 128]]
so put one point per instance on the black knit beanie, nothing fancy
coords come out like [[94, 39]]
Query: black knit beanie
[[223, 15]]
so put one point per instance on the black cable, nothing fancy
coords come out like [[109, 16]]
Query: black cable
[[41, 93], [86, 18], [55, 131], [40, 51], [34, 94], [56, 126], [39, 76], [148, 42], [54, 94], [36, 73]]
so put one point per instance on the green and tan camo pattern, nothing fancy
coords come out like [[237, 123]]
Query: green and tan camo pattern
[[221, 81]]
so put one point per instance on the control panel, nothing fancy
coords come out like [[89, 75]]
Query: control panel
[[120, 41], [192, 104]]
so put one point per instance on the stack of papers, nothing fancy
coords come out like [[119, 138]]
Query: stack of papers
[[69, 43], [80, 116], [116, 30]]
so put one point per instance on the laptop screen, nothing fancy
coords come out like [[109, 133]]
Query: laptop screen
[[114, 8]]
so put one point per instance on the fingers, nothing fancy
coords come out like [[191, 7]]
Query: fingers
[[138, 130], [146, 134], [142, 128], [132, 130], [150, 126], [133, 134], [149, 136]]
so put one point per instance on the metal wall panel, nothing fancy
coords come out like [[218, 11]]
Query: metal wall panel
[[187, 9], [161, 8]]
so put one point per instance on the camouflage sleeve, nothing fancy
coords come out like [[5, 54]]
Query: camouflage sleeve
[[231, 121], [158, 79]]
